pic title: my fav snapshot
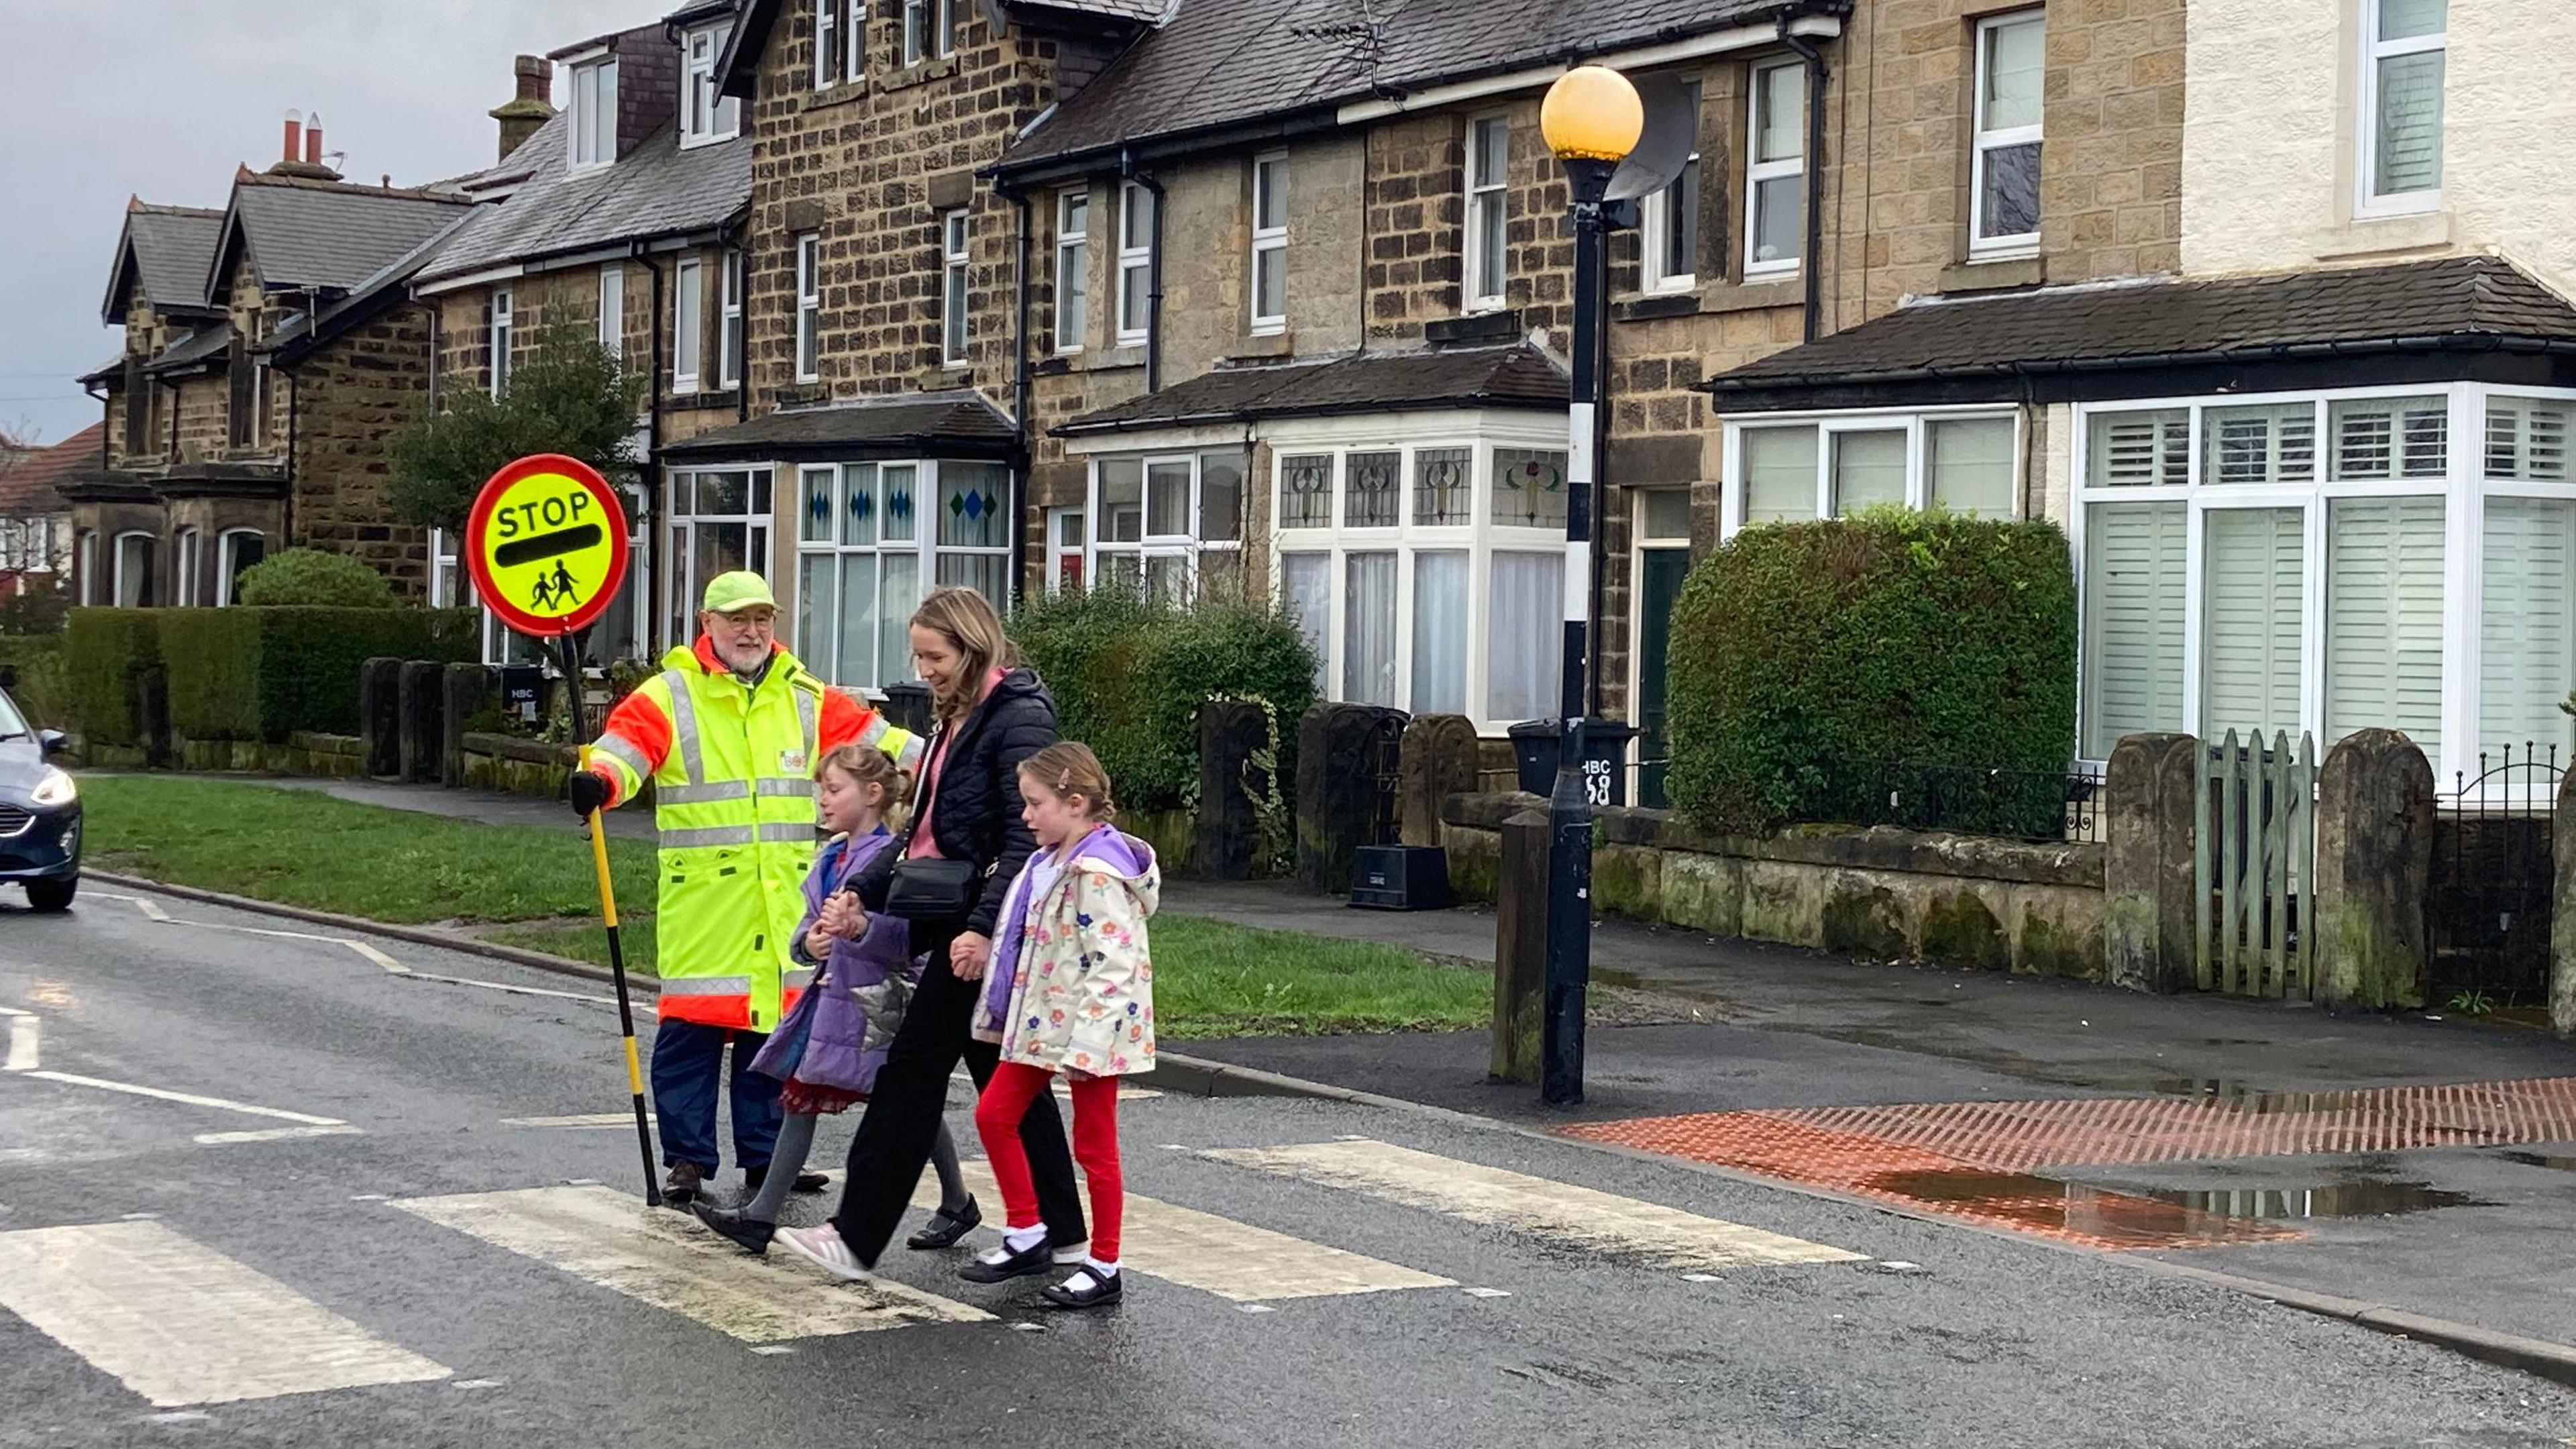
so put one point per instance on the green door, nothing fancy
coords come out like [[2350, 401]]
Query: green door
[[1659, 583]]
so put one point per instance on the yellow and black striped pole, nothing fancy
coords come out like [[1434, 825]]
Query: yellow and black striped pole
[[616, 951]]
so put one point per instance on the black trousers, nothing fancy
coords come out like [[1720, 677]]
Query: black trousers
[[904, 1112]]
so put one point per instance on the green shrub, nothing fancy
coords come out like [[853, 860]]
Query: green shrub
[[309, 658], [43, 687], [1129, 676], [210, 658], [313, 577], [107, 649], [1806, 656]]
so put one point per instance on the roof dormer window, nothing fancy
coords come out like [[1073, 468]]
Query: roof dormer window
[[705, 114], [594, 113]]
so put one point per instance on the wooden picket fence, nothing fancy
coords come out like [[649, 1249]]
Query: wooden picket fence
[[2254, 853]]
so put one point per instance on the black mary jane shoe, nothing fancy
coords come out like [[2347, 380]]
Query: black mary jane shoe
[[1086, 1289], [944, 1229], [811, 1182], [751, 1233], [1037, 1257]]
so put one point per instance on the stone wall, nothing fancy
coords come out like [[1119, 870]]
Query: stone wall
[[351, 394], [1881, 895]]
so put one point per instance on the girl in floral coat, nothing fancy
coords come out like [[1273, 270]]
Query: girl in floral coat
[[1071, 990]]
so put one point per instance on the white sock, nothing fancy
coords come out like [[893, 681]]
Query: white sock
[[1020, 1240], [1100, 1270]]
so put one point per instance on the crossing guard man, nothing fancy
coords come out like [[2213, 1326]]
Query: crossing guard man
[[728, 734]]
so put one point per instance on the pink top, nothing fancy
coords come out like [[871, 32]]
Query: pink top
[[924, 844]]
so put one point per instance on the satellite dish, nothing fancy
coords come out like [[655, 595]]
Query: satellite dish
[[1664, 148]]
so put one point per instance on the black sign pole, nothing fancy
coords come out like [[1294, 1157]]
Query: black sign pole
[[571, 651]]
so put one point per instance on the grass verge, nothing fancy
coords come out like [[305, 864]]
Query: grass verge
[[535, 888]]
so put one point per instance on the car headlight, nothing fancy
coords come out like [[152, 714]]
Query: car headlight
[[55, 788]]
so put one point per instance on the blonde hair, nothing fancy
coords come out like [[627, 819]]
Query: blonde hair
[[1069, 768], [867, 765], [967, 619]]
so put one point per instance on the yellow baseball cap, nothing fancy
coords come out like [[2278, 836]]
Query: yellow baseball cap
[[742, 589]]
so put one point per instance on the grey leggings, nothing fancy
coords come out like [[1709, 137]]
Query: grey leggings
[[796, 1140]]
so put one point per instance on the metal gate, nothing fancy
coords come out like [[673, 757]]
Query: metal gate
[[2487, 906], [2254, 854]]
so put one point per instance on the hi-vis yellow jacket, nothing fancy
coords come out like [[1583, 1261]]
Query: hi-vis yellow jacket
[[733, 794]]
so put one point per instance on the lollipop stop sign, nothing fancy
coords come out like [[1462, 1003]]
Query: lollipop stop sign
[[546, 544]]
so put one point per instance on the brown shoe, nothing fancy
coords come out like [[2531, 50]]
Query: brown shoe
[[681, 1187]]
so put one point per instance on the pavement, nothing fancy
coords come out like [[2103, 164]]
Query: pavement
[[271, 1183]]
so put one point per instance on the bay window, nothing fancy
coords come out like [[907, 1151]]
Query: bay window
[[236, 550], [715, 520], [1836, 466], [865, 557], [1169, 523]]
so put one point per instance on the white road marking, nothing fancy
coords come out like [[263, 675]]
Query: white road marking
[[772, 1348], [191, 1098], [611, 1239], [583, 1119], [1232, 1260], [1488, 1293], [25, 1033], [365, 949], [379, 957], [182, 1324], [1065, 1092], [477, 1384], [274, 1134], [1648, 1234]]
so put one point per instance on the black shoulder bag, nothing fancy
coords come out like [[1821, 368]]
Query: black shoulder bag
[[930, 889]]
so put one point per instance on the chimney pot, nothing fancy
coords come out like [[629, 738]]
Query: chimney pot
[[529, 107], [536, 77], [313, 140], [294, 137]]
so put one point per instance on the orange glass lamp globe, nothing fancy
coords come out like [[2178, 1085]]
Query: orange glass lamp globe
[[1592, 114]]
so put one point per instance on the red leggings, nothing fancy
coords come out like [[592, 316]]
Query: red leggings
[[998, 1112]]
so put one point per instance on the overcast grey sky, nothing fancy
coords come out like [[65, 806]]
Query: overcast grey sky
[[163, 98]]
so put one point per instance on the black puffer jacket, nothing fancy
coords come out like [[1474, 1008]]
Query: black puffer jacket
[[975, 812]]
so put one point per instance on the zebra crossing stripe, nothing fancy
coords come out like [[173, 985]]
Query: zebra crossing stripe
[[1235, 1261], [1624, 1228], [182, 1324], [655, 1256]]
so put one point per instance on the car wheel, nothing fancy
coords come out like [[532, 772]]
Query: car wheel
[[52, 895]]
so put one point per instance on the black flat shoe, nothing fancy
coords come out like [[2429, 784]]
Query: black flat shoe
[[1086, 1289], [751, 1233], [812, 1182], [943, 1231], [1035, 1258]]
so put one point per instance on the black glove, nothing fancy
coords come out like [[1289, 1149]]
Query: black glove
[[588, 793]]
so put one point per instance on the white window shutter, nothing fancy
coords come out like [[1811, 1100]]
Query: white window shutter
[[2527, 658], [2269, 444], [2527, 438], [2251, 607], [2384, 618], [2139, 450], [2392, 438], [2133, 626]]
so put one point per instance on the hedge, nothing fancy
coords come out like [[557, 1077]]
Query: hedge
[[248, 673], [1807, 657], [1128, 678], [43, 689]]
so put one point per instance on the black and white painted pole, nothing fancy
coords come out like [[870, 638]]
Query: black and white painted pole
[[1592, 119]]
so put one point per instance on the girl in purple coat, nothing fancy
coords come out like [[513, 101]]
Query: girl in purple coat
[[835, 1035]]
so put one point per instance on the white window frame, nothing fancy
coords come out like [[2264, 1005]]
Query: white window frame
[[809, 306], [612, 310], [186, 564], [85, 561], [707, 116], [956, 324], [1186, 546], [729, 336], [923, 547], [2463, 488], [1269, 239], [915, 21], [2015, 244], [227, 551], [1915, 423], [1482, 192], [946, 18], [2368, 202], [679, 527], [829, 51], [592, 144], [1068, 541], [1480, 433], [500, 340], [1072, 270], [1758, 171], [1658, 272], [1135, 262], [688, 324], [151, 542]]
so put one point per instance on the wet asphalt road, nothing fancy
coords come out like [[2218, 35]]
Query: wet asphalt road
[[1535, 1339]]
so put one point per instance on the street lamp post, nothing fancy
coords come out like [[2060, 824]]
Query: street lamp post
[[1591, 119]]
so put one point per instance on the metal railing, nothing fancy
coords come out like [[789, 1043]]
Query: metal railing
[[2043, 805]]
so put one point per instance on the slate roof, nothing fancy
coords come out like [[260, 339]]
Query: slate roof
[[657, 189], [27, 488], [325, 234], [171, 248], [952, 421], [1515, 375], [1216, 63], [201, 346], [2449, 303], [368, 300]]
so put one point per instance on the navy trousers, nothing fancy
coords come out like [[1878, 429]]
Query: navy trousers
[[688, 1064]]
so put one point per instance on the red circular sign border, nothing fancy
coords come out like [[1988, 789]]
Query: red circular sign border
[[480, 518]]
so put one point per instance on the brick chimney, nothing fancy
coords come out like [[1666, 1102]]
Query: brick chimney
[[529, 109], [302, 153]]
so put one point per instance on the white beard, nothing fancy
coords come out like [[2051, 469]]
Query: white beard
[[741, 661]]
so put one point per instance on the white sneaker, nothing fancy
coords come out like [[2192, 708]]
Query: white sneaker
[[822, 1247]]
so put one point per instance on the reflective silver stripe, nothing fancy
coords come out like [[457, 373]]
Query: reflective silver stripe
[[788, 785], [684, 726], [800, 978], [707, 986], [781, 834], [703, 794], [875, 731], [809, 704], [707, 835], [623, 751], [913, 750]]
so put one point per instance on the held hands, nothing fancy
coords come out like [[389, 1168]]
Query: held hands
[[819, 942], [969, 955], [842, 916]]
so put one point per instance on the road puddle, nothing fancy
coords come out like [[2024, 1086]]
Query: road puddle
[[2539, 1159], [2156, 1217]]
